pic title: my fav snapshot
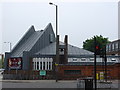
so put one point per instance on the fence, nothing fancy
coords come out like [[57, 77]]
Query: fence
[[25, 77]]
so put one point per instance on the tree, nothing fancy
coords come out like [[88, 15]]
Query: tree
[[89, 43]]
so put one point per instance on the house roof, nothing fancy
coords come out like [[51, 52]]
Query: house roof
[[72, 50]]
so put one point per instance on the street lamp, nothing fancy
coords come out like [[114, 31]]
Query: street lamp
[[57, 41], [10, 45], [56, 17]]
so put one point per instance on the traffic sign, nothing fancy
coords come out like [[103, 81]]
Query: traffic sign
[[42, 72]]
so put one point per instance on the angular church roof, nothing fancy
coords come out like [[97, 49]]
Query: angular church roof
[[27, 45], [38, 42], [72, 50], [28, 41]]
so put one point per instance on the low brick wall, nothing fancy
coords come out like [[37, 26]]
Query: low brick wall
[[113, 72]]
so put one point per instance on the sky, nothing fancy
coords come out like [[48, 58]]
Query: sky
[[79, 19]]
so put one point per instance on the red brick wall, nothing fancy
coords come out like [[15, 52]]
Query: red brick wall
[[113, 71]]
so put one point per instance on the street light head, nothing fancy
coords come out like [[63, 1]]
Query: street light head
[[6, 42], [50, 3]]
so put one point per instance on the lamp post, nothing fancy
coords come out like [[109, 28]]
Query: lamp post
[[57, 42], [10, 45], [56, 17]]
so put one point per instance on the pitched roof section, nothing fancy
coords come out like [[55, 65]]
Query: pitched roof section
[[72, 50], [32, 38], [28, 44], [23, 39]]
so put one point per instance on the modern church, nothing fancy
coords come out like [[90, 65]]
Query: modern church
[[40, 55]]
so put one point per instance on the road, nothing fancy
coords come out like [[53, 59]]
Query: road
[[50, 84], [40, 84]]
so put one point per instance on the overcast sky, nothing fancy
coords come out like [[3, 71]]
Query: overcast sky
[[79, 20]]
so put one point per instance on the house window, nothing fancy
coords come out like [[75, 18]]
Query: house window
[[40, 65], [113, 47], [51, 38], [91, 59], [43, 65], [83, 59], [47, 65], [116, 45], [74, 59], [72, 72], [113, 59], [109, 47], [119, 46], [37, 65]]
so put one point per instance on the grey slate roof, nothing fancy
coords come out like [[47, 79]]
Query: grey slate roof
[[27, 45], [72, 50]]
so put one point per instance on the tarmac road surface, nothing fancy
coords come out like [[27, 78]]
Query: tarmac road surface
[[50, 84]]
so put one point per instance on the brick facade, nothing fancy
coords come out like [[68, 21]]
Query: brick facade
[[113, 71]]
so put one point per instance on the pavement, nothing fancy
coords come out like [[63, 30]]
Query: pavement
[[52, 84], [32, 81]]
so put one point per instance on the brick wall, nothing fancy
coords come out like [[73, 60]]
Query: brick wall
[[85, 71], [113, 71]]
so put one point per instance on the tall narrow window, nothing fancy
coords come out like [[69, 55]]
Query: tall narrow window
[[51, 38], [47, 65], [43, 65], [40, 65], [37, 65], [109, 47], [113, 47]]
